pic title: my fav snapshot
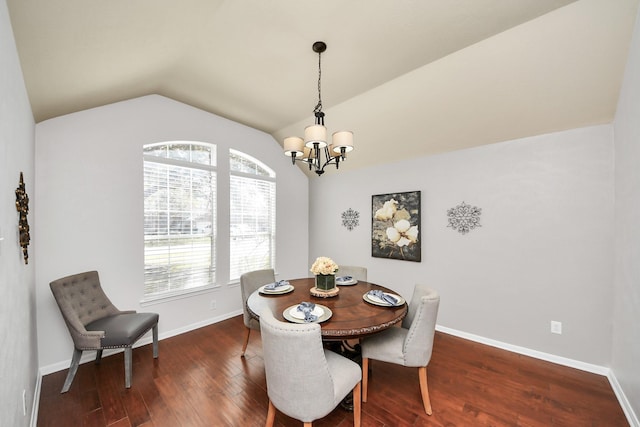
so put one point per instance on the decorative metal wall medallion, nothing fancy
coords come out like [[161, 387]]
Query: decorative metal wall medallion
[[350, 219], [464, 218], [22, 205]]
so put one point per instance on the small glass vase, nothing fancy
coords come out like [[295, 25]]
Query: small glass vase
[[325, 282]]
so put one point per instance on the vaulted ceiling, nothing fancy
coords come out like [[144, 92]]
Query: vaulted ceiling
[[409, 78]]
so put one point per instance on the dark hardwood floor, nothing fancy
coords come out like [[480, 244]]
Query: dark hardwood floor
[[200, 380]]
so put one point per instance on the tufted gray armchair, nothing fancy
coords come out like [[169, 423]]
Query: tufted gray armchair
[[249, 283], [304, 380], [411, 345], [95, 323]]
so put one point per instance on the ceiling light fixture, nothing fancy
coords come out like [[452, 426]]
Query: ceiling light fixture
[[314, 144]]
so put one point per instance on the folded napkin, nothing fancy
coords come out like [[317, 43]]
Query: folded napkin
[[344, 278], [389, 299], [276, 285], [307, 308]]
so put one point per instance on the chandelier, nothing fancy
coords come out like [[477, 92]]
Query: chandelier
[[314, 146]]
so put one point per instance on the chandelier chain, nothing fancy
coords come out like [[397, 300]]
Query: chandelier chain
[[318, 107]]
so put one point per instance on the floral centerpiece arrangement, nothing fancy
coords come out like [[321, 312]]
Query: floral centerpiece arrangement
[[324, 265], [325, 271]]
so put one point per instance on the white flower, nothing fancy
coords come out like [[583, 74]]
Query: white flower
[[393, 234], [412, 234], [402, 225], [324, 265], [386, 211], [403, 233]]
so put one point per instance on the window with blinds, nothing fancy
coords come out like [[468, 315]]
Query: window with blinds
[[179, 217], [252, 215]]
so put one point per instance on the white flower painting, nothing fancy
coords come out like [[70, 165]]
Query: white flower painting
[[395, 231]]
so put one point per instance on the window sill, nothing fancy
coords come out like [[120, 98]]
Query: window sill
[[177, 295]]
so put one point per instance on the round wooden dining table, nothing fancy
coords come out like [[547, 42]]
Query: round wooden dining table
[[352, 317]]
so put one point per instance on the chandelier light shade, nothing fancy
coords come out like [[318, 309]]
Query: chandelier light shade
[[315, 146]]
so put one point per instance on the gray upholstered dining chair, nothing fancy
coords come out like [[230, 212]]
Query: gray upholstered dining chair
[[95, 323], [304, 380], [410, 345], [249, 283], [358, 273]]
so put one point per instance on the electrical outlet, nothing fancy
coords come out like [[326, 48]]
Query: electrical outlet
[[556, 327], [213, 305], [24, 402]]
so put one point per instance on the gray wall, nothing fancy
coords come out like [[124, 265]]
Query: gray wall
[[90, 210], [544, 251], [626, 318], [18, 357]]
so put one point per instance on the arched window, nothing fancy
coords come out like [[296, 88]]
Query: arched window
[[252, 215], [179, 217]]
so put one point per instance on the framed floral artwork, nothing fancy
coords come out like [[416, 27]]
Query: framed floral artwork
[[395, 226]]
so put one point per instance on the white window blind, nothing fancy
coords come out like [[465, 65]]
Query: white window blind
[[252, 215], [179, 217]]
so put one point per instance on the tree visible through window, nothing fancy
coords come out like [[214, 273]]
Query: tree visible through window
[[179, 216], [252, 214]]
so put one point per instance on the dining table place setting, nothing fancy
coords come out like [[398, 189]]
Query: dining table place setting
[[307, 312], [345, 281], [279, 287], [383, 299]]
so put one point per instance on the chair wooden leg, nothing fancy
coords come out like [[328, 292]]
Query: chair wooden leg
[[75, 361], [128, 353], [424, 390], [357, 405], [271, 415], [365, 378], [246, 342], [155, 341], [98, 356]]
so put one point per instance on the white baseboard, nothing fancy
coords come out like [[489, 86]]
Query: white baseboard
[[89, 356], [596, 369], [588, 367], [624, 402], [36, 401]]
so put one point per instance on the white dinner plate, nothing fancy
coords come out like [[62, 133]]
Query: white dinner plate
[[345, 282], [277, 291], [293, 315], [377, 301]]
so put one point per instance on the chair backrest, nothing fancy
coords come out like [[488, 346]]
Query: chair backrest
[[249, 283], [81, 301], [358, 273], [421, 323], [298, 380]]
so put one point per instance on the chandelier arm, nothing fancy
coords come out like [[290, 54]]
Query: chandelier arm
[[331, 161]]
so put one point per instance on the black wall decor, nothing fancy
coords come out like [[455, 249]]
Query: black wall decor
[[350, 219], [22, 205], [464, 218]]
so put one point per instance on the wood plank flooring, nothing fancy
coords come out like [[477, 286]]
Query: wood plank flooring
[[199, 379]]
